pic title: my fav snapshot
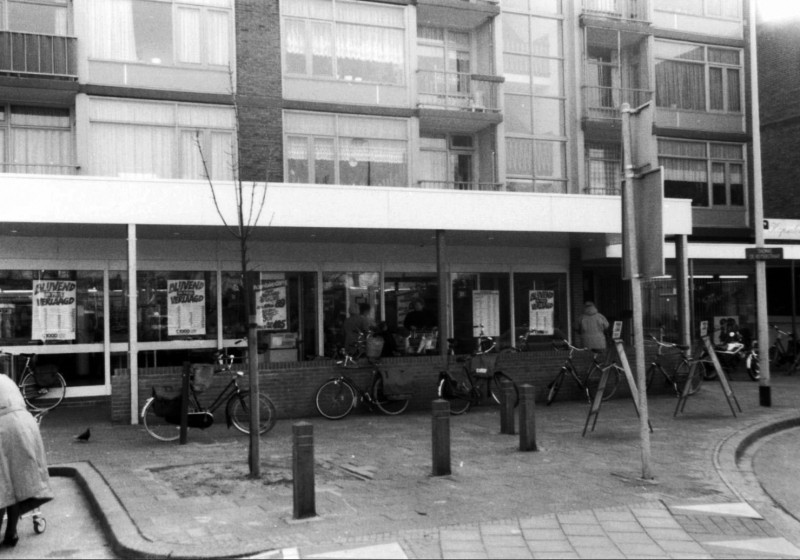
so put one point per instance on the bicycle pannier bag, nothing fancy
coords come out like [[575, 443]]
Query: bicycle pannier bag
[[374, 347], [167, 403], [46, 375], [202, 376], [397, 384], [483, 365]]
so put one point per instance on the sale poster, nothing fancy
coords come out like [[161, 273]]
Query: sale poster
[[271, 302], [54, 310], [541, 311], [186, 307], [486, 312]]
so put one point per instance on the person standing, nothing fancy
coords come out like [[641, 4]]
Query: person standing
[[592, 326], [355, 325], [24, 481]]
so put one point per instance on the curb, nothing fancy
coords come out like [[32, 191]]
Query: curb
[[124, 536]]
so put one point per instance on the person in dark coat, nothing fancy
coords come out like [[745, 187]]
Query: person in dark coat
[[592, 326], [24, 482]]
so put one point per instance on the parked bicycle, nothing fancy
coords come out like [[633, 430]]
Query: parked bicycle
[[781, 352], [161, 412], [339, 395], [680, 373], [481, 365], [42, 386], [734, 350], [589, 383]]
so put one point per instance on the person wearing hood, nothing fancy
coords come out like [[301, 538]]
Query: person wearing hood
[[592, 326]]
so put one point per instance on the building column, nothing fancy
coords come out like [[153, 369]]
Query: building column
[[133, 324], [682, 285], [441, 272]]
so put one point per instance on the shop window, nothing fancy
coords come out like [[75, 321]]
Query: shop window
[[342, 292], [480, 299], [404, 293], [176, 305]]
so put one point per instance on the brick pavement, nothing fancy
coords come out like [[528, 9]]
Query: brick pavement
[[576, 497]]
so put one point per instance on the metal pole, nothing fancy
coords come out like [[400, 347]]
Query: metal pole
[[133, 325], [630, 242], [682, 285], [762, 320], [441, 270], [794, 307]]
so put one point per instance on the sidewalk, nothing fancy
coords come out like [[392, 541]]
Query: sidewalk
[[576, 497]]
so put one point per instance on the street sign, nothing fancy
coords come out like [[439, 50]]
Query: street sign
[[763, 253], [648, 201]]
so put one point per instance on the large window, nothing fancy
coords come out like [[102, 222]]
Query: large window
[[728, 9], [698, 77], [339, 149], [160, 140], [708, 173], [603, 168], [342, 293], [36, 140], [176, 305], [44, 17], [534, 100], [163, 32], [361, 42]]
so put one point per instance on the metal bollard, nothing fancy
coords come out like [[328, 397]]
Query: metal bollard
[[187, 369], [440, 437], [507, 398], [303, 470], [527, 419]]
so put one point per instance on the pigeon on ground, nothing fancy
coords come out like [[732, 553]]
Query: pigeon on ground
[[84, 437]]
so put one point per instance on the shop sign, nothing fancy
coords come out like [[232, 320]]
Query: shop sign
[[486, 312], [540, 314], [54, 310], [186, 307], [763, 253], [271, 302], [775, 228]]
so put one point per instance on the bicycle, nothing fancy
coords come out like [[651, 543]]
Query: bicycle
[[731, 354], [591, 379], [338, 396], [42, 387], [161, 414], [479, 365], [779, 353], [680, 373]]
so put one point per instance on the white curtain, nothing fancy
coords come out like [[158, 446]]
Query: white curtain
[[218, 37], [120, 150], [42, 151], [374, 44], [191, 162], [223, 152], [111, 29], [188, 39]]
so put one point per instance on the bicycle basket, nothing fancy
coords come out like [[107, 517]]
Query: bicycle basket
[[483, 365], [202, 376], [46, 375], [374, 347]]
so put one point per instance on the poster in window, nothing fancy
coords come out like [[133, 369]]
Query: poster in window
[[271, 302], [486, 312], [541, 310], [186, 307], [54, 310], [726, 329]]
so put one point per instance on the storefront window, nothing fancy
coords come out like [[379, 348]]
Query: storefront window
[[176, 305], [540, 309], [480, 299], [342, 292], [401, 293]]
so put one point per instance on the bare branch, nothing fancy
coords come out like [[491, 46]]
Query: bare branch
[[211, 183]]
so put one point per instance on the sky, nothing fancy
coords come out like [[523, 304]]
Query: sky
[[775, 10]]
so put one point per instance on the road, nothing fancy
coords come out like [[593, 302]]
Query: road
[[777, 467]]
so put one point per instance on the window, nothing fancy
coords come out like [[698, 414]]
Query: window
[[685, 72], [160, 140], [540, 309], [728, 9], [342, 292], [345, 150], [163, 33], [344, 40], [534, 101], [603, 168], [710, 174], [177, 304], [36, 140], [43, 17]]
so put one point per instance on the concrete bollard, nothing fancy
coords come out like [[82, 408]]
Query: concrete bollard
[[507, 398], [440, 437], [303, 470], [527, 419]]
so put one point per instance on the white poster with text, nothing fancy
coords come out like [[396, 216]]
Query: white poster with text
[[486, 312], [186, 307], [54, 310], [542, 307], [271, 302]]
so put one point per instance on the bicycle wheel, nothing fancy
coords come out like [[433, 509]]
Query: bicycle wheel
[[39, 397], [335, 399], [239, 409], [555, 385], [157, 426], [459, 403], [593, 381], [681, 376], [387, 405], [496, 389]]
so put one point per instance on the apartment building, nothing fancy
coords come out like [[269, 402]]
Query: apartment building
[[465, 153]]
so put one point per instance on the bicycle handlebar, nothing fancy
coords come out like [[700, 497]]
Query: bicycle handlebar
[[569, 346]]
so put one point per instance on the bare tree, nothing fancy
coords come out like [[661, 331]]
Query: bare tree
[[250, 200]]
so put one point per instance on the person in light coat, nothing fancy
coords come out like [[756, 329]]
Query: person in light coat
[[592, 326], [24, 481]]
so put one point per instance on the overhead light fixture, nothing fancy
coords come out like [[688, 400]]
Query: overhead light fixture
[[733, 276], [703, 277]]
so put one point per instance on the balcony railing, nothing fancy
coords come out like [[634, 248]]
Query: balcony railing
[[611, 191], [39, 168], [604, 102], [45, 55], [622, 9], [460, 185], [457, 91]]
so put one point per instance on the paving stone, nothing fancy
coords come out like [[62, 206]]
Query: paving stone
[[651, 512], [548, 522], [512, 552], [466, 555], [586, 542], [500, 529], [600, 552], [635, 550], [659, 534], [687, 547], [659, 522], [639, 537], [543, 534], [621, 526], [550, 546], [623, 515], [491, 541], [582, 529], [556, 555], [460, 534], [576, 517]]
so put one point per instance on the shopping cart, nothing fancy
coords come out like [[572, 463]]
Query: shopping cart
[[39, 522]]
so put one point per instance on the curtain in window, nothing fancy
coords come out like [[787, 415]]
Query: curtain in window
[[519, 156], [41, 151], [223, 151], [716, 95], [191, 161], [734, 99], [188, 39], [324, 161], [545, 159], [120, 150], [218, 37], [3, 151], [369, 14], [371, 53], [686, 170], [297, 158], [680, 85], [727, 151], [320, 9], [111, 29]]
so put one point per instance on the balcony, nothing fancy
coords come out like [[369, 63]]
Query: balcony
[[633, 10], [38, 55], [603, 103], [460, 185], [456, 14], [457, 101]]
